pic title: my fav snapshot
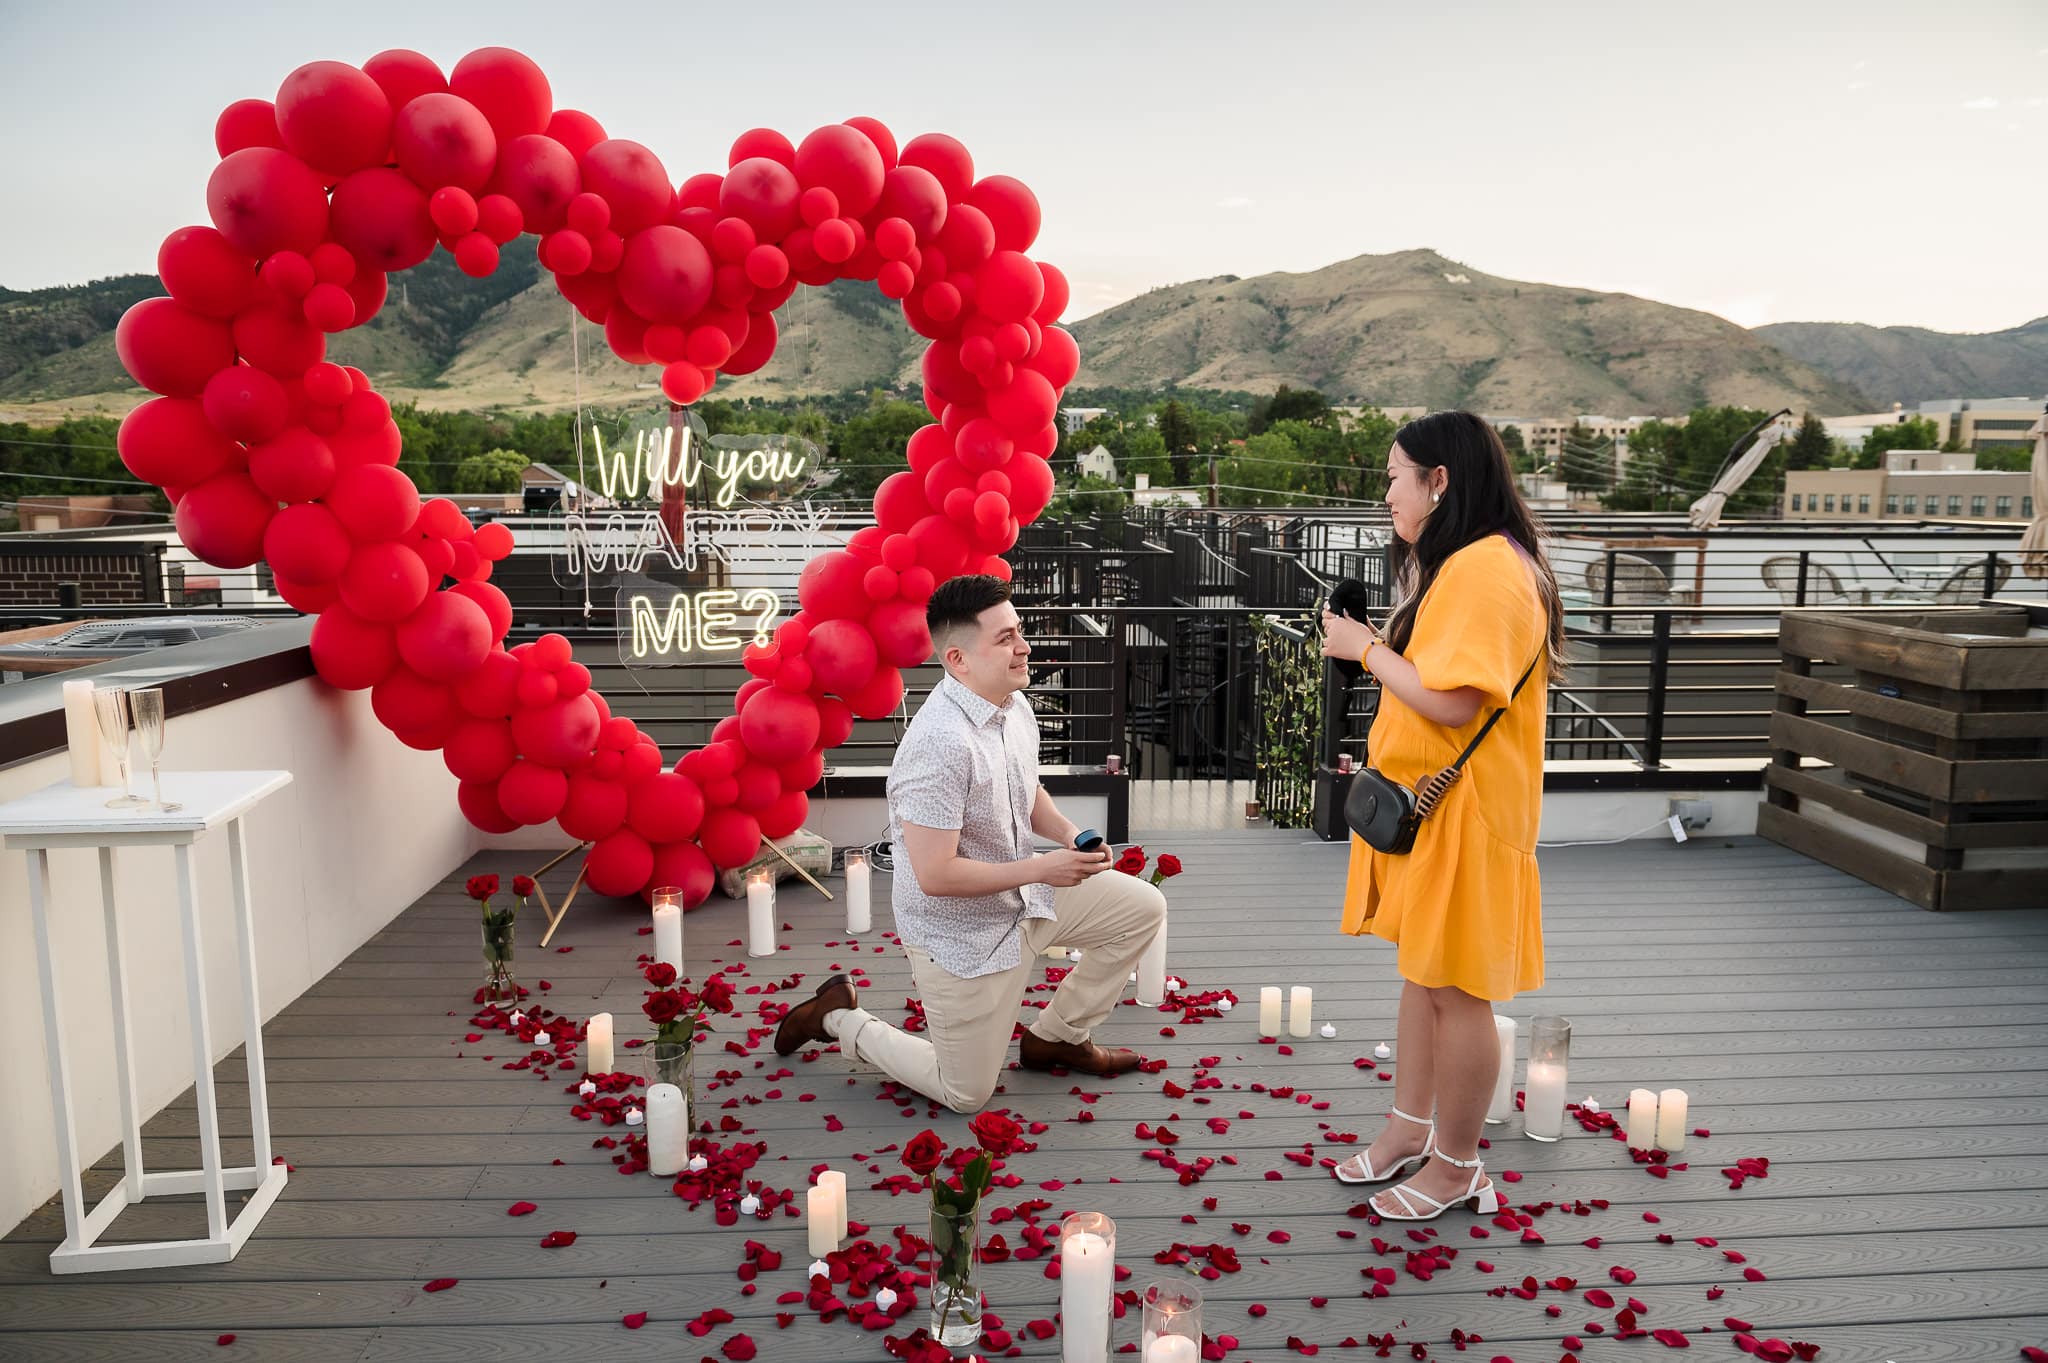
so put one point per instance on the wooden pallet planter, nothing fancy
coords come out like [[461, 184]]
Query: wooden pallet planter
[[1928, 777]]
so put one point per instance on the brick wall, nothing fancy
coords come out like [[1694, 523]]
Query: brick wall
[[122, 573]]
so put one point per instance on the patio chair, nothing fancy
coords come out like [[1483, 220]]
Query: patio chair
[[1964, 586], [1823, 584], [1637, 582]]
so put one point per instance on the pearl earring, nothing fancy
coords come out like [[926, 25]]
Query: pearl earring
[[1435, 497]]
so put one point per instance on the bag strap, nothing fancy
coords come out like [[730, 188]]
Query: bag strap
[[1494, 718]]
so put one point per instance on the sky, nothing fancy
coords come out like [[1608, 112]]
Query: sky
[[1800, 160]]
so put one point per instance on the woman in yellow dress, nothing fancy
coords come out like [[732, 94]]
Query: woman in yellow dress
[[1475, 605]]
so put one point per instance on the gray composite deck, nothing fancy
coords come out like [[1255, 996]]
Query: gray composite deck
[[1888, 1062]]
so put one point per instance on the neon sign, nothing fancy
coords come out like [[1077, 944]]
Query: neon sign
[[665, 627], [661, 459]]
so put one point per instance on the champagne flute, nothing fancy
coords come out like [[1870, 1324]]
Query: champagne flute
[[149, 726], [110, 708]]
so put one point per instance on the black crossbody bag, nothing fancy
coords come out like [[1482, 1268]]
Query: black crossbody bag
[[1388, 814]]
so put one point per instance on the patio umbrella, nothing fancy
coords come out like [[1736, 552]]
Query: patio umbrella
[[2034, 544], [1705, 513]]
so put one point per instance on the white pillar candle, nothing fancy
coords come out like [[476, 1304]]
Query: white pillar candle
[[760, 914], [1152, 971], [1503, 1105], [1300, 1005], [81, 734], [668, 935], [1671, 1114], [1543, 1101], [836, 1181], [668, 1130], [597, 1044], [822, 1235], [860, 915], [1087, 1283], [1172, 1349], [1269, 1010], [1642, 1118]]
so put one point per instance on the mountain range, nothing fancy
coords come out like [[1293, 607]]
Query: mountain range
[[1410, 328]]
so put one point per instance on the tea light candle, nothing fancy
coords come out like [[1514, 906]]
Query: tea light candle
[[1671, 1110], [1269, 1010], [1642, 1118], [760, 913], [885, 1298], [634, 1116], [1328, 1030], [543, 1039], [1114, 764], [1300, 1004], [1087, 1285], [597, 1044], [1152, 971], [859, 905], [836, 1181], [668, 932], [1503, 1105], [586, 1089], [668, 1130], [1543, 1101], [1383, 1052], [822, 1235], [1172, 1349], [750, 1205], [698, 1164], [81, 734]]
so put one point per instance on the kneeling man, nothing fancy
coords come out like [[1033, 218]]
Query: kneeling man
[[975, 904]]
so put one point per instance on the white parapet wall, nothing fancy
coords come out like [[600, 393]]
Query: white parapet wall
[[366, 827]]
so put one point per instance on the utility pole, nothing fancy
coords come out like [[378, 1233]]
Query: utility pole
[[1212, 480]]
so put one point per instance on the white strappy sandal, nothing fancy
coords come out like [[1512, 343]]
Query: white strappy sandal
[[1360, 1164], [1485, 1201]]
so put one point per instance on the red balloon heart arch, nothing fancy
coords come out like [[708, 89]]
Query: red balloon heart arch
[[270, 451]]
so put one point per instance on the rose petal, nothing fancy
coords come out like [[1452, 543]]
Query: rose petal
[[520, 1209], [440, 1284], [634, 1321], [225, 1340], [558, 1239]]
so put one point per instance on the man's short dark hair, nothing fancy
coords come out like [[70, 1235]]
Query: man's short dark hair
[[958, 602]]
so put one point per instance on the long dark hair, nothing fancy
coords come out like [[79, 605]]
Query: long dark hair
[[1479, 499]]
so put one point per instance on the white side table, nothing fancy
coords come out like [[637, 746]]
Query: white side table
[[63, 816]]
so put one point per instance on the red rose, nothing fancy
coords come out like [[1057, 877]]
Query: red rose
[[718, 994], [924, 1152], [996, 1132], [660, 974], [663, 1007], [1132, 861], [1169, 865], [481, 888], [523, 886]]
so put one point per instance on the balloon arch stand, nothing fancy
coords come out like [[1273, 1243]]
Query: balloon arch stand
[[270, 451]]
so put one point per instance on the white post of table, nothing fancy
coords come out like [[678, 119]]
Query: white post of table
[[212, 1181], [252, 1006], [124, 1034], [76, 1233]]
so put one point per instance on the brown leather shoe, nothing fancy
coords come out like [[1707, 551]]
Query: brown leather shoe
[[1034, 1052], [805, 1023]]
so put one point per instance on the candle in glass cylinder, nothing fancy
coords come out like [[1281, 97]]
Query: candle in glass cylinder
[[81, 734], [1671, 1112], [668, 1130], [1152, 971], [1503, 1105], [1087, 1285], [1170, 1324], [1550, 1042], [859, 905], [822, 1236], [597, 1044], [668, 928], [760, 913], [1642, 1118], [1300, 1004], [1269, 1010], [836, 1181]]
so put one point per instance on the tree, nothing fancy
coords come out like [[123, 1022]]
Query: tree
[[1289, 404], [1518, 449], [1088, 496], [1670, 466], [869, 447], [1145, 452], [1178, 433], [491, 471], [1811, 448], [1914, 433]]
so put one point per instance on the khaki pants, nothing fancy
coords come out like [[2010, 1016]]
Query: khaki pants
[[1111, 917]]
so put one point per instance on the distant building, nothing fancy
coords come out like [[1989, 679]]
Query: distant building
[[1097, 463], [1072, 419], [60, 512], [1969, 423], [1912, 485]]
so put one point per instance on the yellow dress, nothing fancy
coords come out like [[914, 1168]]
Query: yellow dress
[[1465, 906]]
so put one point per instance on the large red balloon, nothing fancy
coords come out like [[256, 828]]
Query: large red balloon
[[593, 809], [443, 140], [202, 270], [763, 192], [307, 544], [561, 733], [264, 200], [171, 349], [384, 582], [297, 466], [508, 87], [223, 519], [619, 864], [169, 442], [381, 217], [446, 638], [730, 837], [539, 174], [532, 793], [404, 75], [334, 117], [666, 807], [845, 161], [630, 178], [779, 725], [351, 652], [666, 274]]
